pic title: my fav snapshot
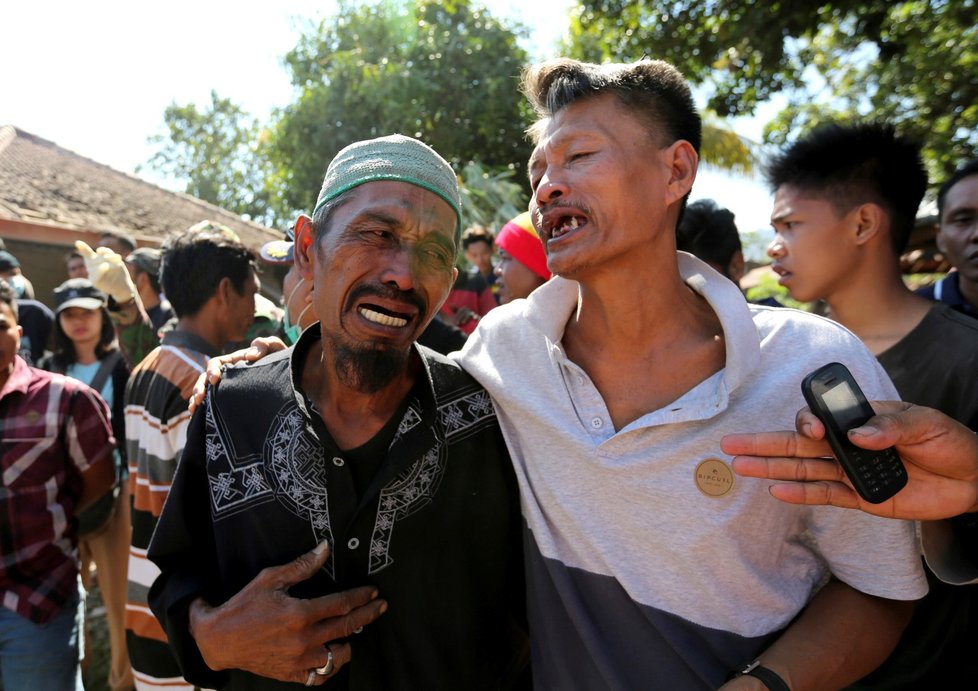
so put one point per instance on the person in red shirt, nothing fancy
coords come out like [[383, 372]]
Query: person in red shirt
[[55, 458]]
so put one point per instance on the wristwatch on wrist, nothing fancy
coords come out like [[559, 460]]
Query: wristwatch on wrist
[[769, 678]]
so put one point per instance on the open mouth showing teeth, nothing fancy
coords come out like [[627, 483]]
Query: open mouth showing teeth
[[382, 318], [565, 225]]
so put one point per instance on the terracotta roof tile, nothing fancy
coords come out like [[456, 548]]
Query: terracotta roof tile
[[41, 182]]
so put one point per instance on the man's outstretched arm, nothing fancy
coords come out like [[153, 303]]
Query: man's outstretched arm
[[940, 454]]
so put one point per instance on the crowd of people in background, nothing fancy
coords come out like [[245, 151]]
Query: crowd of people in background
[[589, 442]]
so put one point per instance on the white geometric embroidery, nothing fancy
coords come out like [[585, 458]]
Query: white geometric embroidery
[[294, 470], [412, 490], [233, 485], [415, 487], [296, 466]]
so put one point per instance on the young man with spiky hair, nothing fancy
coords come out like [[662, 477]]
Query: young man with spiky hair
[[210, 281], [846, 199], [648, 566]]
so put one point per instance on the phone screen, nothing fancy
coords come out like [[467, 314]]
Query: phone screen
[[844, 405]]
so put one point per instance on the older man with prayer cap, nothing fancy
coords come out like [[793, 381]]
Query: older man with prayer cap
[[345, 510]]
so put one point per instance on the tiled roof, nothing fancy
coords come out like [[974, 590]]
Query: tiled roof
[[40, 182]]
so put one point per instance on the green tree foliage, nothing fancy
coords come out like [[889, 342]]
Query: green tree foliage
[[912, 63], [217, 152], [490, 198], [445, 72]]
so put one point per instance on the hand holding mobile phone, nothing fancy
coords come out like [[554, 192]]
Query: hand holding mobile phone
[[836, 399]]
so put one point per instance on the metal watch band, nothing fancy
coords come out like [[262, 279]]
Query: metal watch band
[[768, 678]]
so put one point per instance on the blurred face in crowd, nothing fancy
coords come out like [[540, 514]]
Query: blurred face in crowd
[[958, 234], [479, 255], [514, 279], [10, 333], [81, 326], [76, 268], [240, 307], [297, 301]]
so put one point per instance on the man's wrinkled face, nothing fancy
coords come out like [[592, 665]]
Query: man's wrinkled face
[[957, 237], [380, 272], [600, 186]]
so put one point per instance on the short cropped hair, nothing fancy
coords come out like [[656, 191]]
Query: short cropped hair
[[128, 241], [966, 171], [653, 90], [850, 165], [477, 233], [195, 261], [707, 230], [8, 296]]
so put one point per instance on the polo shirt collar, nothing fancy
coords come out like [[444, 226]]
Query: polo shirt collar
[[551, 305], [19, 379]]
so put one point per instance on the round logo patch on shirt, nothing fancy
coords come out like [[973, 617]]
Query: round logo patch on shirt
[[713, 477]]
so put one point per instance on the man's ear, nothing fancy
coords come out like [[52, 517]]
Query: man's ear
[[142, 278], [939, 240], [683, 162], [304, 249], [223, 292], [735, 269], [870, 222]]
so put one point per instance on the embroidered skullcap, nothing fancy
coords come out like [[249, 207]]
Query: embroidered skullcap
[[521, 242], [394, 157]]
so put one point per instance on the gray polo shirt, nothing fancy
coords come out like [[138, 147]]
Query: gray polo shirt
[[648, 562]]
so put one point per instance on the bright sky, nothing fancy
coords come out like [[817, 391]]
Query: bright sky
[[95, 77]]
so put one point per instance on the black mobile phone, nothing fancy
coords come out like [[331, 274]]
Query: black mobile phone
[[836, 399]]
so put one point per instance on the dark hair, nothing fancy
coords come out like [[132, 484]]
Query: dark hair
[[477, 233], [73, 254], [64, 347], [856, 164], [707, 230], [128, 240], [966, 171], [8, 296], [651, 89], [154, 279], [195, 261]]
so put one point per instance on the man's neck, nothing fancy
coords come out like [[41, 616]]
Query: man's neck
[[665, 331], [204, 326], [351, 415], [880, 315]]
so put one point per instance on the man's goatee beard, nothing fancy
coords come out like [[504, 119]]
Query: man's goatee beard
[[368, 369]]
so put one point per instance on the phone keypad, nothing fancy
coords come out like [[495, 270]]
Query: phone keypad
[[882, 472]]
